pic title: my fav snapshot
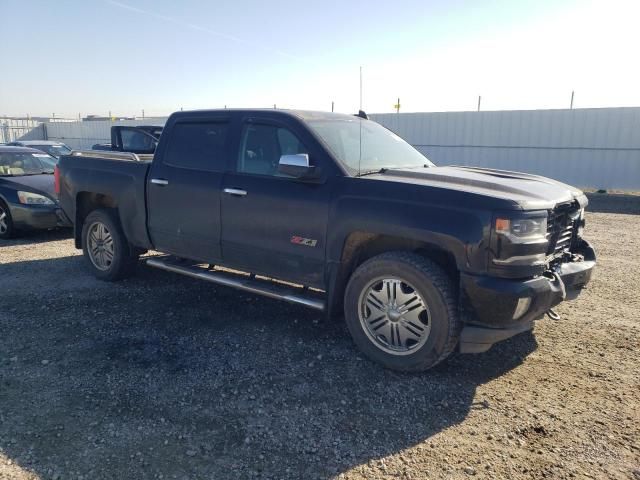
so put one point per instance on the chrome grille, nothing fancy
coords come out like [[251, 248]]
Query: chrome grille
[[562, 228]]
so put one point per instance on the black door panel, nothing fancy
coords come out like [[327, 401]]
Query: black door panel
[[183, 190], [277, 225], [277, 228]]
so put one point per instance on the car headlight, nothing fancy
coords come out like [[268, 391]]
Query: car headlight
[[522, 230], [29, 198], [520, 241]]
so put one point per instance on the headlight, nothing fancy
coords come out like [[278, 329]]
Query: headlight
[[522, 230], [29, 198], [520, 241]]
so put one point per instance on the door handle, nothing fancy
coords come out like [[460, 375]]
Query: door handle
[[235, 191], [159, 181]]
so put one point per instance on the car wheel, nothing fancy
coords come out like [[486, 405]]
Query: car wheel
[[401, 310], [106, 248], [6, 223]]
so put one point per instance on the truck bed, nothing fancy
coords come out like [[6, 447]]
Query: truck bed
[[112, 175]]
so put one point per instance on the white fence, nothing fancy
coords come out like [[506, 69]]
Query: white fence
[[83, 135], [24, 129], [597, 148]]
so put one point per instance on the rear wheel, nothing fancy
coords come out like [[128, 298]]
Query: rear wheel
[[106, 248], [6, 223], [401, 310]]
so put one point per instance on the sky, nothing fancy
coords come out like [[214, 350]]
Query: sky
[[80, 57]]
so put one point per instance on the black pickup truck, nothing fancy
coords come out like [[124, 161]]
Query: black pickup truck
[[337, 213], [135, 139]]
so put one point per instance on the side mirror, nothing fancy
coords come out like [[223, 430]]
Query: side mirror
[[297, 166]]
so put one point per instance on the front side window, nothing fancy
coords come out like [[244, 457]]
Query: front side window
[[198, 146], [18, 164], [262, 146], [364, 146], [137, 141]]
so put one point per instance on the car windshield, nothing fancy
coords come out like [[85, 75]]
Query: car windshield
[[21, 163], [364, 146], [54, 150]]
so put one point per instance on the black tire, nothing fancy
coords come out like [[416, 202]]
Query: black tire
[[10, 231], [124, 258], [435, 288]]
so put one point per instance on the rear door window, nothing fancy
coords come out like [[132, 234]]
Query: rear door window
[[198, 146]]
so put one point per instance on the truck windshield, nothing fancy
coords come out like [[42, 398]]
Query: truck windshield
[[18, 164], [364, 146]]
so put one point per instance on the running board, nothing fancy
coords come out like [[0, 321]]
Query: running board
[[242, 282]]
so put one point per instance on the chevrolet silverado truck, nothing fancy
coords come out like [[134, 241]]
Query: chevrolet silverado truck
[[336, 213], [135, 139]]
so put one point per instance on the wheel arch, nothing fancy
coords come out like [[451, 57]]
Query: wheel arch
[[87, 202], [360, 246]]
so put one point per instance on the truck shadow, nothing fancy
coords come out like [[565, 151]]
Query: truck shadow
[[165, 374]]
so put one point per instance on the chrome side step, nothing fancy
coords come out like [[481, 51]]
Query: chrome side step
[[247, 283]]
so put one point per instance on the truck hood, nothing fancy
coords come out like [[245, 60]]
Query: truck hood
[[43, 184], [524, 190]]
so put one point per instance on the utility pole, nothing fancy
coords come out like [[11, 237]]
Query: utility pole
[[143, 113], [479, 100], [332, 107], [571, 104], [360, 87]]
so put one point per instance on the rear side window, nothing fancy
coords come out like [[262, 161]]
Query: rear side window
[[198, 146]]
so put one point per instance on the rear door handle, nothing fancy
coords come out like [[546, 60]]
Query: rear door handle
[[235, 191], [159, 181]]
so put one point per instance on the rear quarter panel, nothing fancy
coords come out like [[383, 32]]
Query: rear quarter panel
[[122, 181]]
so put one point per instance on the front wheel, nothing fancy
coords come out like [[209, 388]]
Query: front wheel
[[401, 310], [6, 223], [105, 246]]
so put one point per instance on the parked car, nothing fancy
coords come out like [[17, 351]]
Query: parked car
[[27, 200], [138, 139], [421, 259], [55, 149]]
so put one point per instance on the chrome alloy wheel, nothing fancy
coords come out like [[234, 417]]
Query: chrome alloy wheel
[[394, 316], [4, 225], [100, 246]]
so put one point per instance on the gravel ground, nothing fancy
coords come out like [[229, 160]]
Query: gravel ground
[[161, 376]]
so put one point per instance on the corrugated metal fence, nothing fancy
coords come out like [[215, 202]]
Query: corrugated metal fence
[[83, 135], [24, 129], [597, 148]]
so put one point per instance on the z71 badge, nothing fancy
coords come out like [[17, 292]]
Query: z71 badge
[[309, 242]]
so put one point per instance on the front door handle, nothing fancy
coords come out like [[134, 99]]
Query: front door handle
[[159, 181], [235, 191]]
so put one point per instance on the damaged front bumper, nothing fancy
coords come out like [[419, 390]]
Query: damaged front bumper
[[501, 308]]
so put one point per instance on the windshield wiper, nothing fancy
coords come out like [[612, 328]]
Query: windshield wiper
[[372, 172]]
